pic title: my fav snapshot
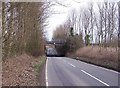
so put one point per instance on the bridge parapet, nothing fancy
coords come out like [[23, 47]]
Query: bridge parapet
[[57, 42]]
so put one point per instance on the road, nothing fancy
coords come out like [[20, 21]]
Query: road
[[63, 71]]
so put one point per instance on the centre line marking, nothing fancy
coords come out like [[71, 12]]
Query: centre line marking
[[64, 60], [71, 64], [46, 77], [95, 78]]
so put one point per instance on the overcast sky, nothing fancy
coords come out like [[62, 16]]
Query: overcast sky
[[58, 19]]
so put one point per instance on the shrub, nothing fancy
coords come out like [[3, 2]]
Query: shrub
[[74, 43]]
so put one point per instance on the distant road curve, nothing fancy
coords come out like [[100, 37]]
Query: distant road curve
[[62, 71]]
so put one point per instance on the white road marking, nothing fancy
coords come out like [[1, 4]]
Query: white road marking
[[71, 64], [95, 78], [100, 67], [108, 70], [46, 76], [64, 60]]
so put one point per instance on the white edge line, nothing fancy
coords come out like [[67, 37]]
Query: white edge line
[[101, 67], [95, 78], [109, 70], [46, 73]]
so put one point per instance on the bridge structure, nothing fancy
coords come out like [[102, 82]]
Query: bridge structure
[[58, 45], [56, 42]]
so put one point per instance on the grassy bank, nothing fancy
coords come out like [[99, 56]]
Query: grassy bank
[[39, 66], [105, 57]]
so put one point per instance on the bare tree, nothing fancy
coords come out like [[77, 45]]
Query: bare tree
[[113, 12], [101, 22], [73, 20], [105, 19], [86, 21], [23, 27], [91, 10], [80, 23]]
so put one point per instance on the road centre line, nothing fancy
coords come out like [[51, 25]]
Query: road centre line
[[64, 60], [46, 74], [95, 78], [92, 75], [72, 65]]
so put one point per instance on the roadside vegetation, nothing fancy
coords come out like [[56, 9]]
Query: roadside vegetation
[[39, 66], [20, 71], [91, 34], [23, 40], [22, 28], [106, 57]]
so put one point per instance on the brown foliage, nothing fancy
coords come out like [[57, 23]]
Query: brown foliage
[[20, 71], [98, 55], [74, 43]]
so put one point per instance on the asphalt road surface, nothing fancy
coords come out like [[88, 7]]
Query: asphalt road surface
[[63, 71], [51, 52]]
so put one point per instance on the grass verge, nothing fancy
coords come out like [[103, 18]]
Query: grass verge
[[38, 66]]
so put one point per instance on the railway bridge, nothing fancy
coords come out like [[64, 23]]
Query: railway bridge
[[56, 46]]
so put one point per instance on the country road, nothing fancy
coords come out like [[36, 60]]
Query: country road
[[63, 71]]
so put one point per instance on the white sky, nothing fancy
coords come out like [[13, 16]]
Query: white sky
[[57, 19]]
